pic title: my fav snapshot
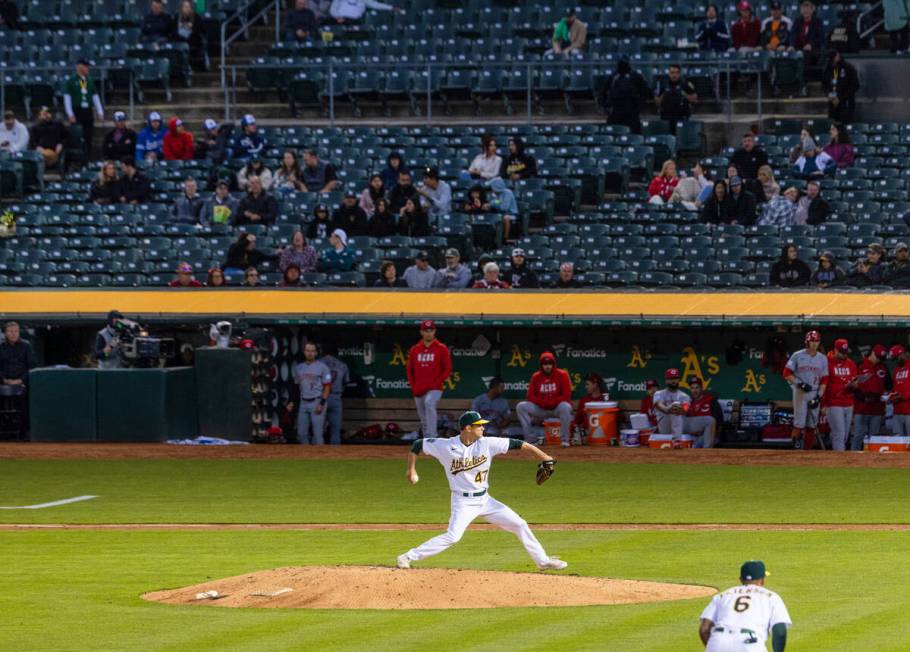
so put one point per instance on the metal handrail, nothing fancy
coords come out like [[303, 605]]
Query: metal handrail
[[859, 20], [245, 22], [56, 69]]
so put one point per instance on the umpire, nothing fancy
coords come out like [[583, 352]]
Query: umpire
[[79, 98]]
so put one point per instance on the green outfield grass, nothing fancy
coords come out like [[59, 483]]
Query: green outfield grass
[[79, 590]]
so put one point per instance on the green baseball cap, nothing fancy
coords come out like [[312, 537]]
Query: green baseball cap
[[752, 570], [470, 419]]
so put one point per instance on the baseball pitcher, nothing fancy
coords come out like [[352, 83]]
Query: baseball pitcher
[[807, 373]]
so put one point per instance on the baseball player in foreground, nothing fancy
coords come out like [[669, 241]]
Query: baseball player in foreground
[[807, 373], [742, 618], [467, 459]]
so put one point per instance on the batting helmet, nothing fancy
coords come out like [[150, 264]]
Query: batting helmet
[[813, 336]]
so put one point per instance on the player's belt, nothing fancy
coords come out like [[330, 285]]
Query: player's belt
[[468, 494], [731, 630]]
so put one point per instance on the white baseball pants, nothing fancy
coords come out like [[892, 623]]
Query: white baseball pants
[[306, 416], [900, 424], [840, 418], [671, 424], [733, 642], [703, 428], [426, 410], [865, 425], [802, 416], [527, 411], [467, 508]]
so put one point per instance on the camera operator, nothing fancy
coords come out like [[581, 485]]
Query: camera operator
[[107, 343]]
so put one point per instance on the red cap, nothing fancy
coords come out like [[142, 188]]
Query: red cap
[[247, 344], [275, 430], [841, 345], [695, 380], [813, 336], [428, 325], [671, 373], [896, 351], [742, 6], [879, 350], [650, 383]]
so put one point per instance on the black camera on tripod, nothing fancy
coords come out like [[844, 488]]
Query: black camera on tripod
[[139, 349]]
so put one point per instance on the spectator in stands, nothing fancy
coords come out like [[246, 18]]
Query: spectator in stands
[[243, 254], [518, 165], [150, 141], [288, 178], [897, 273], [781, 210], [493, 407], [626, 93], [674, 96], [712, 34], [257, 206], [135, 187], [184, 278], [249, 143], [16, 360], [455, 275], [79, 98], [569, 36], [812, 207], [301, 23], [350, 217], [290, 277], [383, 223], [157, 26], [827, 274], [549, 395], [413, 220], [337, 257], [746, 31], [814, 163], [869, 270], [840, 82], [351, 11], [716, 209], [106, 188], [189, 29], [299, 253], [319, 227], [403, 191], [502, 200], [255, 168], [49, 137], [808, 34], [220, 208], [120, 141], [476, 202], [207, 145], [320, 9], [566, 278], [215, 278], [435, 194], [671, 405], [178, 142], [394, 166], [749, 157], [770, 188], [704, 415], [251, 278], [388, 276], [662, 186], [371, 194], [775, 29], [840, 149], [647, 401], [13, 134], [420, 275], [188, 207], [9, 14], [805, 135], [520, 275], [789, 271], [318, 175], [689, 189], [897, 24], [487, 164], [491, 280], [742, 204]]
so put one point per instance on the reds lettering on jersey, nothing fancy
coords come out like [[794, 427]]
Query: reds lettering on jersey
[[840, 374], [902, 389]]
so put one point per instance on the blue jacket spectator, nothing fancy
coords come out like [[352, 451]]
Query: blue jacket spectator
[[502, 200], [249, 142], [150, 141], [394, 165], [712, 34], [814, 163], [337, 258]]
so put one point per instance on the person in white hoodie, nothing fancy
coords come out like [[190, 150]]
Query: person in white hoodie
[[350, 10], [13, 134]]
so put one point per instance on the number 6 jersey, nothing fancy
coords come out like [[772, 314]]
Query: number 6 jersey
[[748, 607], [468, 467]]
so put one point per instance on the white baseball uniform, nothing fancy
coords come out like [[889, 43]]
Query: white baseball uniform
[[467, 470], [812, 370], [670, 424], [312, 378], [743, 617]]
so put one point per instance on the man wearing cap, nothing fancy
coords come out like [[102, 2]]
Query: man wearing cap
[[839, 399], [775, 29], [493, 407], [317, 175], [520, 275], [746, 32], [807, 373], [220, 207], [744, 617], [135, 187], [107, 343], [704, 416], [455, 275], [337, 257], [79, 97], [900, 395], [120, 141], [897, 273], [249, 142], [257, 206], [185, 277], [467, 460], [595, 389], [13, 134], [873, 382], [207, 143], [671, 405], [48, 137], [420, 275], [435, 194], [350, 216], [647, 401], [742, 206], [178, 142], [150, 141], [429, 366], [549, 396]]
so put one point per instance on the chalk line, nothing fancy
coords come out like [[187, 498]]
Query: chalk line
[[65, 501]]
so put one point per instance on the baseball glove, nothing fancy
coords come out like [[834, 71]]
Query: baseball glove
[[814, 403], [545, 470]]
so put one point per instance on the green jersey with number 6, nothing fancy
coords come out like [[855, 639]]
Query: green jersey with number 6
[[748, 607]]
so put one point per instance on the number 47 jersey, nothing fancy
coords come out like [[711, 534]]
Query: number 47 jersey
[[467, 467], [747, 607]]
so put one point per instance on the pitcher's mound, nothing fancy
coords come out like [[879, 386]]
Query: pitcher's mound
[[374, 587]]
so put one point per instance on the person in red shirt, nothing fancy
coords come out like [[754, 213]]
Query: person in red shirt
[[185, 277], [746, 31], [595, 387], [429, 366], [549, 395], [703, 416], [873, 381], [839, 398], [178, 142], [900, 395], [647, 401], [664, 184]]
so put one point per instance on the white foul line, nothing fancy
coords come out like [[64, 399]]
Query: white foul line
[[65, 501]]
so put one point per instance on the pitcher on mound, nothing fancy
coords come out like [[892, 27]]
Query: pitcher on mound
[[467, 459]]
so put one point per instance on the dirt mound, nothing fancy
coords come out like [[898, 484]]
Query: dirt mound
[[374, 587]]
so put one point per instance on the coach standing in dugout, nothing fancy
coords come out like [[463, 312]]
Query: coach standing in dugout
[[79, 96], [842, 380], [429, 366], [900, 396], [334, 409], [807, 373], [873, 381]]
